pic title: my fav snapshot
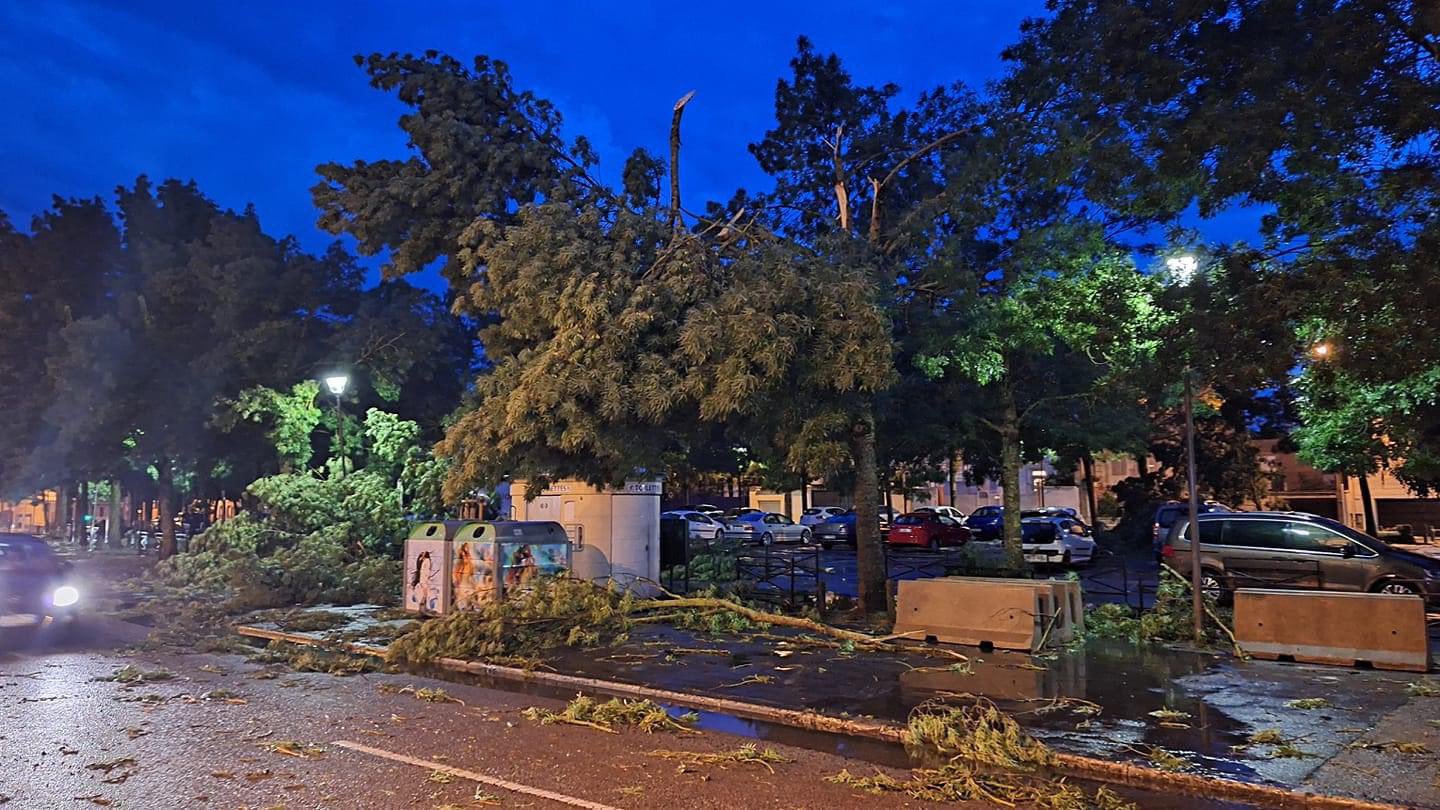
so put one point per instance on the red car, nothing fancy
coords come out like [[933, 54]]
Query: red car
[[927, 529]]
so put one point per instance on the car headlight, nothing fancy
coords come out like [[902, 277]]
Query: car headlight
[[842, 529], [1432, 573], [64, 596]]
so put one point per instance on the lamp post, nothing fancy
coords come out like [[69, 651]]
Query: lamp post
[[1182, 271], [336, 383]]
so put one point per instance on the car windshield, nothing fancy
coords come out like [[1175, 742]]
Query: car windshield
[[913, 520]]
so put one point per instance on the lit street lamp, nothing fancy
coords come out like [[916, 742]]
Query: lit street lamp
[[1182, 272], [336, 383]]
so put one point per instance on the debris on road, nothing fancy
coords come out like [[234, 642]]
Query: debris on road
[[642, 715], [748, 753]]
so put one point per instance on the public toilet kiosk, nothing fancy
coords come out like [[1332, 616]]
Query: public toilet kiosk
[[614, 531], [461, 564]]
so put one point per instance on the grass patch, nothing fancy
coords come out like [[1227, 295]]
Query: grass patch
[[956, 782], [614, 714]]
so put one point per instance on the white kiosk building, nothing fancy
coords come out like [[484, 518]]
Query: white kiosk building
[[614, 532]]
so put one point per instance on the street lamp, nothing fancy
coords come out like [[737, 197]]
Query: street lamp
[[1038, 477], [336, 383], [1183, 269], [1321, 350]]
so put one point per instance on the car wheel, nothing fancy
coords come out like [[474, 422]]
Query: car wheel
[[766, 539], [1065, 559], [1213, 585], [719, 535], [805, 536], [1398, 588]]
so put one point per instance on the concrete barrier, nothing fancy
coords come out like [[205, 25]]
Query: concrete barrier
[[1066, 619], [1009, 614], [1386, 631]]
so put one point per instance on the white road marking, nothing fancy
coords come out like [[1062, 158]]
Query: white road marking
[[473, 776]]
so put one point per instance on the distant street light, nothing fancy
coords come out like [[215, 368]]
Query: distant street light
[[337, 383], [1321, 351], [1183, 269]]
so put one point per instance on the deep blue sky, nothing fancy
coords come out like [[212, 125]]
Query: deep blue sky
[[246, 98]]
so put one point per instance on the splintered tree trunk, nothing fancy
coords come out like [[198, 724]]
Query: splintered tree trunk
[[1368, 504], [869, 556], [1010, 477], [1087, 462], [167, 513]]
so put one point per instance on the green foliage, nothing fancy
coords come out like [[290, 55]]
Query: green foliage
[[290, 419], [552, 614], [1356, 427]]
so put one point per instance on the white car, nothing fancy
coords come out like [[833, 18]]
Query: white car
[[701, 526], [944, 511], [816, 515], [1057, 540]]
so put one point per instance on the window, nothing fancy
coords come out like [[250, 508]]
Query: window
[[1304, 537], [1253, 533]]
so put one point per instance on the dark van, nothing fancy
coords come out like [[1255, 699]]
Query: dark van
[[1170, 511], [1296, 550]]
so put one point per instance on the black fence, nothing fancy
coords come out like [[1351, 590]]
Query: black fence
[[786, 576]]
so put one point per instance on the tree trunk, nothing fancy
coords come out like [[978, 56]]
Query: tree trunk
[[1142, 463], [167, 512], [1010, 476], [82, 512], [1368, 503], [954, 462], [62, 511], [113, 520], [869, 556], [1087, 463]]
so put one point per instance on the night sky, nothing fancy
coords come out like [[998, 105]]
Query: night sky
[[246, 98]]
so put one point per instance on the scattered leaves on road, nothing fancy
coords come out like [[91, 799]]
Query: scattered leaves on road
[[133, 674], [638, 714], [1424, 687], [427, 694], [1398, 746], [748, 753], [1305, 704], [441, 777], [291, 748], [111, 765], [1170, 715]]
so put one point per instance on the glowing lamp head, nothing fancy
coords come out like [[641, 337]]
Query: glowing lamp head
[[336, 383], [65, 596], [1321, 351]]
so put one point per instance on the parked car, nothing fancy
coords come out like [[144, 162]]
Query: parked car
[[730, 514], [1056, 512], [766, 528], [1056, 539], [1170, 511], [838, 529], [929, 529], [35, 588], [948, 511], [709, 510], [816, 515], [699, 525], [1296, 550], [986, 523]]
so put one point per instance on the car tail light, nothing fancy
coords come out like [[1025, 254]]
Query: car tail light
[[1167, 551]]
